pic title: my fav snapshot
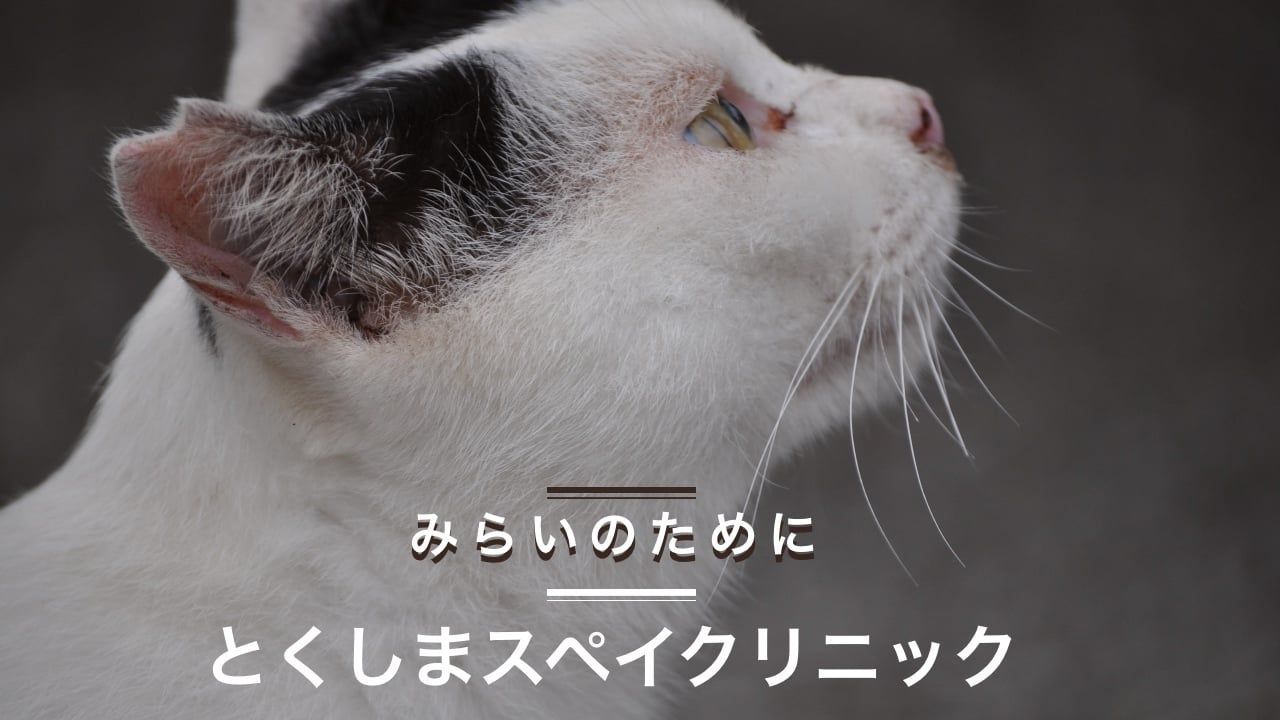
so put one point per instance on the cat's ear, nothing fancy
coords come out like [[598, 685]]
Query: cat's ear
[[244, 205]]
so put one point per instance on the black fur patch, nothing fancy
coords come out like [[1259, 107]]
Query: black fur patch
[[443, 127], [443, 132], [364, 32], [204, 325]]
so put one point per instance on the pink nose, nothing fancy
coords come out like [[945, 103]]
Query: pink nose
[[928, 130]]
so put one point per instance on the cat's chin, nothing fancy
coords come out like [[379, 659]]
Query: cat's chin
[[885, 351], [835, 361]]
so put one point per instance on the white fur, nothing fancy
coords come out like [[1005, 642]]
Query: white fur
[[270, 36], [648, 337]]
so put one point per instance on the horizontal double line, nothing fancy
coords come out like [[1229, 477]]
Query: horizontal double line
[[622, 595], [622, 492]]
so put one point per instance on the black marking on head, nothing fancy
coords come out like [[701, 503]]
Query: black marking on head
[[444, 130], [364, 32], [205, 326]]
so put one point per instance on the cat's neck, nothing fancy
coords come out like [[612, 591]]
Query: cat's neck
[[191, 481], [187, 432], [197, 463], [179, 418]]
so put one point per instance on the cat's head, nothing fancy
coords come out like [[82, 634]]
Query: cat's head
[[594, 225]]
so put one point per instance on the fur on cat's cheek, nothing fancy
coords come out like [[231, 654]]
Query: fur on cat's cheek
[[766, 120]]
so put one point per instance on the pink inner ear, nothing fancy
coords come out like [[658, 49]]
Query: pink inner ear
[[158, 179]]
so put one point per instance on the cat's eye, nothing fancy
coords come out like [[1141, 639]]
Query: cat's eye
[[721, 126]]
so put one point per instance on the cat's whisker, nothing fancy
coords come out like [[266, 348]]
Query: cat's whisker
[[928, 404], [964, 307], [834, 315], [931, 353], [924, 400], [974, 230], [899, 382], [807, 359], [808, 356], [980, 210], [853, 443], [978, 257], [969, 362], [915, 464], [965, 271], [957, 245], [952, 298]]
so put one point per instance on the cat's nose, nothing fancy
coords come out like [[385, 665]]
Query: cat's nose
[[927, 132]]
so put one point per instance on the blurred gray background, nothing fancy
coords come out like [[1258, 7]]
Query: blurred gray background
[[1124, 531]]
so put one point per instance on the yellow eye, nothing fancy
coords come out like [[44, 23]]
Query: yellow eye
[[721, 126]]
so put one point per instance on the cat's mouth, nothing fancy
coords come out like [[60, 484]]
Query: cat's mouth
[[941, 158]]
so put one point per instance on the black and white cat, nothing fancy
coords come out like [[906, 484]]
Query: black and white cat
[[432, 257]]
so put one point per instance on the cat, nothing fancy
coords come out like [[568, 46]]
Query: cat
[[433, 258]]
